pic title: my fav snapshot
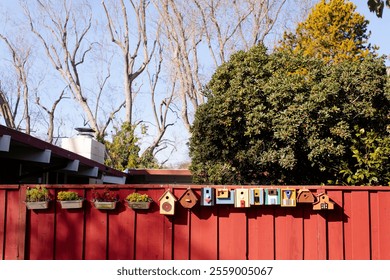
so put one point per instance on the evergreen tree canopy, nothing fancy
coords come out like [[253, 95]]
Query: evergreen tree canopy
[[287, 118], [333, 31]]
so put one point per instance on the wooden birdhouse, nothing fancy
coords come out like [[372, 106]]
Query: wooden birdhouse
[[241, 198], [323, 202], [272, 197], [188, 199], [305, 196], [257, 196], [224, 196], [167, 203], [288, 197], [207, 197]]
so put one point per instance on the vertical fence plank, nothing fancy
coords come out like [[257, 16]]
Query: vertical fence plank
[[12, 225], [232, 233], [121, 227], [41, 229], [2, 222], [204, 237], [357, 225], [261, 229], [95, 230], [150, 236], [336, 219], [288, 234], [69, 232], [181, 236], [380, 225], [314, 233]]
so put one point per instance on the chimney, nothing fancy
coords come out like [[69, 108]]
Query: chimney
[[85, 145]]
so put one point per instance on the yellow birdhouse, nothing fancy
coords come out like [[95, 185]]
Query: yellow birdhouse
[[241, 198], [288, 198], [167, 203], [323, 202]]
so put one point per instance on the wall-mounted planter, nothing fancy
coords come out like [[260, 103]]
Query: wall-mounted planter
[[105, 205], [139, 205], [71, 204], [35, 205]]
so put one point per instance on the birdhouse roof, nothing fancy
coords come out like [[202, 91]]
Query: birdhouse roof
[[167, 193]]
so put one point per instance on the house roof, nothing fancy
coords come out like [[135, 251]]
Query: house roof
[[37, 156]]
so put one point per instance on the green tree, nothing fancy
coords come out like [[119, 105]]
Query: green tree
[[333, 31], [123, 151], [286, 118]]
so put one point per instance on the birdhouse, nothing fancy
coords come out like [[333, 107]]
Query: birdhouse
[[167, 203], [305, 196], [241, 198], [288, 197], [207, 197], [323, 202], [188, 199], [256, 196], [272, 197], [224, 196]]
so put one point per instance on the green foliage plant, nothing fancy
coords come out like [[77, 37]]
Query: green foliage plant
[[137, 197], [68, 195], [38, 193], [285, 118]]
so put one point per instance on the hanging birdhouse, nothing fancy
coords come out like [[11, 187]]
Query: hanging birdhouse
[[167, 203], [241, 198], [207, 197], [188, 199], [224, 196], [323, 202], [288, 197], [256, 196], [272, 197], [305, 196]]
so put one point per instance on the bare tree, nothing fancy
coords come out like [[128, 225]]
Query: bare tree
[[62, 30], [50, 113], [130, 50], [20, 58], [5, 109], [223, 26]]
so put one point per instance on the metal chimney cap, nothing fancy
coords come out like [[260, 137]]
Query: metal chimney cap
[[85, 130]]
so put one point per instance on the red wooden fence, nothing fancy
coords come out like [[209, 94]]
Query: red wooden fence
[[358, 228]]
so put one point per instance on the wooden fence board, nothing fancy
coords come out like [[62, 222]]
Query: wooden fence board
[[181, 229], [121, 226], [3, 216], [335, 220], [232, 233], [69, 232], [357, 228], [261, 229], [380, 237], [150, 231], [204, 238], [95, 231]]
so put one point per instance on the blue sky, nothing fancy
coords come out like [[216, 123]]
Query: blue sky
[[380, 34]]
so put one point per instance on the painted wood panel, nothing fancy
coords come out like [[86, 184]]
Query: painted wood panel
[[357, 228]]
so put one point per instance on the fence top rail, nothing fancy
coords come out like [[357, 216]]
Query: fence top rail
[[193, 186]]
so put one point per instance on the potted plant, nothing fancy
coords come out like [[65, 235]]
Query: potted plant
[[70, 200], [105, 200], [37, 198], [138, 201]]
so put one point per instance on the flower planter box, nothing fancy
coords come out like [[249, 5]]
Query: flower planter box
[[139, 205], [105, 205], [71, 204], [32, 205]]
